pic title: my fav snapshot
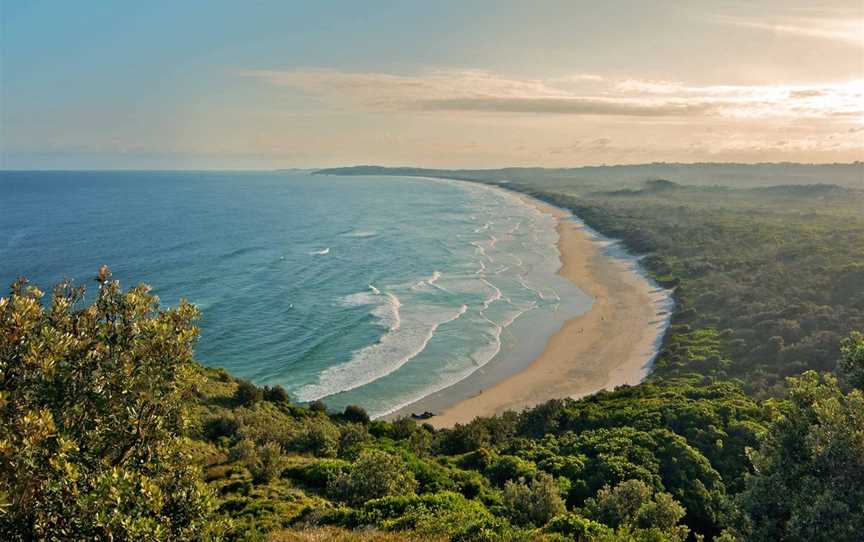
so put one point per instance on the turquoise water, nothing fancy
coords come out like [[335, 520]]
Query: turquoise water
[[363, 290]]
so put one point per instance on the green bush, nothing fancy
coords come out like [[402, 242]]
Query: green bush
[[247, 393], [634, 505], [93, 403], [318, 474], [351, 439], [267, 464], [535, 502], [375, 474], [580, 529], [510, 467], [275, 394], [355, 414], [223, 425], [245, 450], [320, 437]]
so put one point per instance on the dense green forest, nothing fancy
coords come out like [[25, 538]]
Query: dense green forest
[[750, 428], [768, 281]]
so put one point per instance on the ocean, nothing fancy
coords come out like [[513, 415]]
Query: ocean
[[375, 291]]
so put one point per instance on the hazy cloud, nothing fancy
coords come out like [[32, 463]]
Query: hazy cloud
[[567, 106], [580, 94], [831, 28]]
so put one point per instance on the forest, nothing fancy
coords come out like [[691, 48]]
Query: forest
[[751, 426]]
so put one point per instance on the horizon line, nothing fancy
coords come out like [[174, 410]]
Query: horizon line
[[271, 170]]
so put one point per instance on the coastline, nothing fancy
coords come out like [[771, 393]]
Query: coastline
[[612, 344]]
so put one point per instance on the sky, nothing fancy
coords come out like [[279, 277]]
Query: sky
[[282, 84]]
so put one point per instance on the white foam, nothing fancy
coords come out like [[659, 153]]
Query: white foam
[[375, 290], [538, 293], [429, 282], [361, 233], [480, 250], [320, 252], [404, 340], [495, 296]]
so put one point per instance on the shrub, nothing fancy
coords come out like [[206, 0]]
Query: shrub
[[464, 438], [92, 406], [509, 467], [318, 474], [852, 360], [535, 502], [351, 439], [420, 442], [356, 414], [579, 529], [247, 393], [375, 474], [243, 451], [435, 514], [317, 406], [267, 464], [632, 504], [480, 460], [275, 394], [402, 428], [225, 425], [320, 437]]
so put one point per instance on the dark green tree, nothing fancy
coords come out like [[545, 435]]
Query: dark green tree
[[852, 361], [809, 481]]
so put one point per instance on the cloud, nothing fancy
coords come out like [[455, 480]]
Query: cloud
[[850, 31], [482, 92], [566, 106]]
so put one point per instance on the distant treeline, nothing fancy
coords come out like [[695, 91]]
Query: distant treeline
[[598, 177]]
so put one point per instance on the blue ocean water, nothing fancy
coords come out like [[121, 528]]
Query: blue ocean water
[[354, 290]]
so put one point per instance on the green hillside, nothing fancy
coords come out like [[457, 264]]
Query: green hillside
[[751, 426]]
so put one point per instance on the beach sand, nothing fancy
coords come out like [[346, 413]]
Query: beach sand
[[610, 345]]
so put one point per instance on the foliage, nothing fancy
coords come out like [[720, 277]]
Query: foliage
[[852, 361], [92, 411], [580, 529], [809, 482], [248, 393], [535, 502], [266, 464], [717, 444], [767, 282], [356, 414], [375, 474], [634, 505]]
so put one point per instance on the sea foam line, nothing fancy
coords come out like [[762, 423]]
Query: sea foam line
[[478, 360], [398, 346], [430, 282]]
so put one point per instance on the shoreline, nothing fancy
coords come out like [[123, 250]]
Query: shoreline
[[613, 343]]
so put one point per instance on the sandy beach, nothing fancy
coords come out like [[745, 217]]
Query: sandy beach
[[610, 345]]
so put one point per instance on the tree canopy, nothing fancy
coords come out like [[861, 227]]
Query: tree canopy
[[93, 404]]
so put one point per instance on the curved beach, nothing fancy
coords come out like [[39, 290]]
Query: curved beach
[[612, 344]]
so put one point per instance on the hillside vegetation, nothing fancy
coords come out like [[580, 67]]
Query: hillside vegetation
[[750, 428]]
